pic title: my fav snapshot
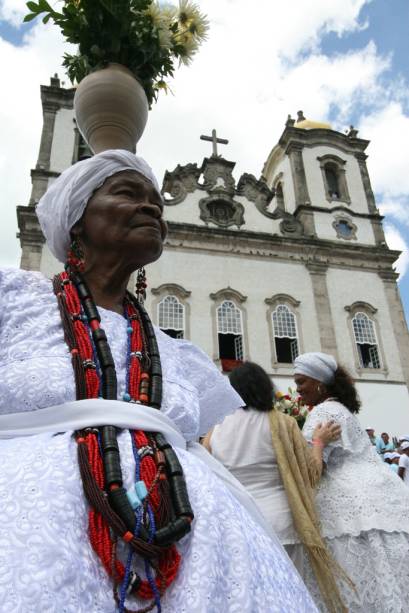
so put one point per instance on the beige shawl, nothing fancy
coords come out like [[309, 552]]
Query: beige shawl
[[300, 475]]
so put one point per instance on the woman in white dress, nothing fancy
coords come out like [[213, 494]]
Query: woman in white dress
[[96, 508], [265, 450], [363, 508]]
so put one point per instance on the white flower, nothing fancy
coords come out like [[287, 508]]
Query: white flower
[[187, 49], [192, 20]]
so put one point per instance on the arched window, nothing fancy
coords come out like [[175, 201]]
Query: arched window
[[366, 341], [280, 196], [331, 177], [229, 332], [285, 334], [81, 149], [334, 176], [171, 317]]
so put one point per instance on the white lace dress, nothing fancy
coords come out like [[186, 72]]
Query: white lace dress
[[364, 512], [46, 563]]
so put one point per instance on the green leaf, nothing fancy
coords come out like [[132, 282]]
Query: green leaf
[[45, 6], [33, 6], [29, 17], [47, 18]]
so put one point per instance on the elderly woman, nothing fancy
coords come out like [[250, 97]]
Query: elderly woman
[[363, 509], [103, 498]]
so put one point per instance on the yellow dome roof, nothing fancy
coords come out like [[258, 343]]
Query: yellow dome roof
[[308, 124]]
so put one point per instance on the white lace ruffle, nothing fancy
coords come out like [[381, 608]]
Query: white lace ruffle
[[377, 564], [358, 492]]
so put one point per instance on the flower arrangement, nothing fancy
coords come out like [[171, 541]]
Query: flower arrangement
[[146, 36], [291, 404]]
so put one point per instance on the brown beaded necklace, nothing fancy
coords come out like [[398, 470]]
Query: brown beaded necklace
[[156, 513]]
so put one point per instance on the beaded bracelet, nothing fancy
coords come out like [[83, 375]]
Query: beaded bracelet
[[317, 443]]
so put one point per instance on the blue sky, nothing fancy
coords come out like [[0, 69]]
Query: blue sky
[[344, 61], [388, 23]]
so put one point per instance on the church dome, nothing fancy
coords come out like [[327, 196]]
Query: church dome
[[309, 124]]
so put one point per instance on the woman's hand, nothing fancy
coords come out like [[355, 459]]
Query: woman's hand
[[326, 433]]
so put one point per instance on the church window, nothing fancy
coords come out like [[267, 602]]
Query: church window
[[171, 317], [285, 334], [332, 182], [280, 196], [366, 341], [230, 334], [345, 229], [334, 177], [81, 149], [221, 210]]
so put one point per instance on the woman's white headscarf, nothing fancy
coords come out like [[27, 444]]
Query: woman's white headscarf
[[319, 366], [64, 202]]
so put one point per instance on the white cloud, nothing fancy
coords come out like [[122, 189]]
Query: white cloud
[[342, 80], [244, 82], [396, 209], [395, 240], [13, 11], [388, 129]]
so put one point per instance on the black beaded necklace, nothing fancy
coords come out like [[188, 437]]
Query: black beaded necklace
[[151, 535]]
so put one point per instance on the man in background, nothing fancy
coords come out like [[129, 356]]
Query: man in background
[[404, 463]]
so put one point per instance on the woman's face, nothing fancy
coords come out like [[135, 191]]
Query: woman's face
[[125, 217], [310, 390]]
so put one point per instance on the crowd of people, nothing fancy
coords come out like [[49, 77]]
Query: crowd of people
[[328, 492], [394, 452]]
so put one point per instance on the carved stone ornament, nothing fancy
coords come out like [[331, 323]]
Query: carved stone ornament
[[217, 173], [180, 182], [173, 289], [259, 193], [345, 228], [219, 208], [290, 226], [228, 293]]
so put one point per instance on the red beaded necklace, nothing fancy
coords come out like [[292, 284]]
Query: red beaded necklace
[[80, 330]]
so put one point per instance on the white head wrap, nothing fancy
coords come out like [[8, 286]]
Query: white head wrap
[[319, 366], [405, 445], [64, 202]]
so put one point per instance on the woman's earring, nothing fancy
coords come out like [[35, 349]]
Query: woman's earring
[[319, 389], [141, 285], [76, 258]]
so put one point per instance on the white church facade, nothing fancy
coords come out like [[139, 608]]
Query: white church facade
[[263, 269]]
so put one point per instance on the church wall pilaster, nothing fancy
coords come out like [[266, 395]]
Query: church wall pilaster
[[49, 114], [31, 238], [398, 320], [370, 198], [318, 272], [302, 198]]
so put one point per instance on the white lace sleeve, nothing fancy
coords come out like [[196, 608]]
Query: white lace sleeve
[[1, 296], [351, 435], [217, 398]]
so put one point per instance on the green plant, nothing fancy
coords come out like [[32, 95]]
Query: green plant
[[143, 35]]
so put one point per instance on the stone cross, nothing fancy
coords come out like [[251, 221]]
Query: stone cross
[[213, 139]]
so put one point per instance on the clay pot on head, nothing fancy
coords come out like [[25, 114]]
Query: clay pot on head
[[111, 109]]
